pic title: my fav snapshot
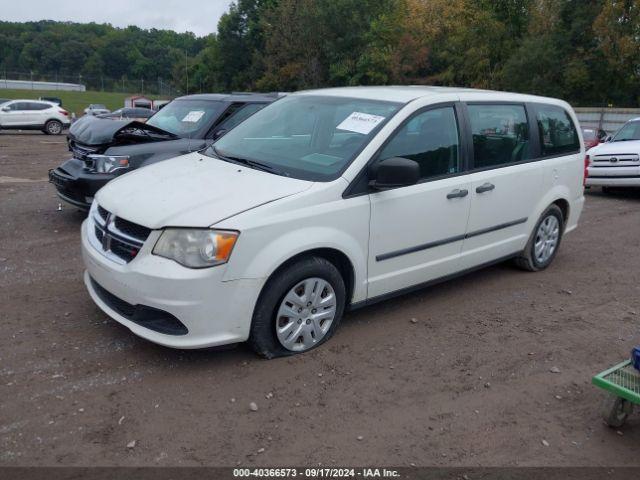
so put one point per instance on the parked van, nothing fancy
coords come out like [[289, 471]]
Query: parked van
[[330, 200]]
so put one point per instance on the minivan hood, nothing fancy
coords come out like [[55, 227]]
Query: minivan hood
[[193, 190], [90, 130], [609, 148]]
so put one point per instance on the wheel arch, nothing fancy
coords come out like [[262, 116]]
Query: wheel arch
[[564, 206], [338, 258]]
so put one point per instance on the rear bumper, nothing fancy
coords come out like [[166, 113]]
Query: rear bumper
[[75, 185]]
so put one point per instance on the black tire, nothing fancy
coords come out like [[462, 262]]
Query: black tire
[[527, 259], [53, 127], [263, 338]]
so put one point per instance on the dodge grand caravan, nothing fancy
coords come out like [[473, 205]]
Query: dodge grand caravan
[[327, 200]]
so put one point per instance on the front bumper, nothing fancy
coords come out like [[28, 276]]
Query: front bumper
[[75, 185], [213, 312], [613, 176]]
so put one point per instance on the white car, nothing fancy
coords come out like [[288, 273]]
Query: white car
[[328, 200], [96, 109], [34, 115], [616, 163]]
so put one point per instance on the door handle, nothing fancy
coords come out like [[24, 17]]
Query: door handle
[[457, 193], [487, 187]]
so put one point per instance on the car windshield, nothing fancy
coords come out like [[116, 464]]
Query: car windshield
[[630, 131], [188, 118], [306, 136]]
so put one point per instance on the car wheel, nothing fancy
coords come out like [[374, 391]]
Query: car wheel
[[545, 240], [53, 127], [299, 309]]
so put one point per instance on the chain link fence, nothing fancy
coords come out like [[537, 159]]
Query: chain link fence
[[150, 86]]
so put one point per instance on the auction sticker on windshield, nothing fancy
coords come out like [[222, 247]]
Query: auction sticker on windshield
[[193, 116], [360, 123]]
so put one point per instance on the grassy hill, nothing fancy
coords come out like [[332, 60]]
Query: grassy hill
[[72, 101]]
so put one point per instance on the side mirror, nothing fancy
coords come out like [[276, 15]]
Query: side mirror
[[6, 109], [220, 133], [395, 172]]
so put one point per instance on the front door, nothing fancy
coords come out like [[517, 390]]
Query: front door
[[417, 232], [16, 116]]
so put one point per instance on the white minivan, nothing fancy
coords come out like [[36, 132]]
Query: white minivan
[[330, 200]]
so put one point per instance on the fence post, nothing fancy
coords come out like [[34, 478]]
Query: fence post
[[601, 121]]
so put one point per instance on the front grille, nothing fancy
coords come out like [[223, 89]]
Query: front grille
[[118, 237], [103, 213], [125, 251], [148, 317], [132, 229], [82, 152]]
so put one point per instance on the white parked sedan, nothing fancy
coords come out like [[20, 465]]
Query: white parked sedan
[[34, 115], [616, 163], [327, 200]]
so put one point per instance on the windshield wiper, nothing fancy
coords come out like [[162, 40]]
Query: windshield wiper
[[625, 140], [248, 162]]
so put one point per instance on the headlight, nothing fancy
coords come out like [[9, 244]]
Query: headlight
[[195, 248], [109, 163]]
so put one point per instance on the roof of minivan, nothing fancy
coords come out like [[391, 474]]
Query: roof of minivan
[[231, 97], [406, 94]]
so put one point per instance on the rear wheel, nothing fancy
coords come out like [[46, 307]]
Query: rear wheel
[[299, 309], [543, 245], [53, 127]]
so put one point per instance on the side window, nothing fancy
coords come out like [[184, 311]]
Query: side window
[[431, 139], [558, 134], [240, 115], [38, 106], [20, 106], [500, 134]]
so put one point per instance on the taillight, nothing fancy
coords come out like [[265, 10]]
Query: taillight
[[64, 112], [587, 161]]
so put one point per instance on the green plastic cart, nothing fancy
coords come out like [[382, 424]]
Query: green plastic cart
[[623, 384]]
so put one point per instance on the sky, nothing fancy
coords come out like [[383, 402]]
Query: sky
[[198, 16]]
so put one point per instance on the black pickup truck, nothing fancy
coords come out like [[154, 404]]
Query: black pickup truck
[[104, 149]]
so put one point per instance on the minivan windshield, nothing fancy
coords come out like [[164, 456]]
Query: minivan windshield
[[188, 118], [310, 137], [630, 131]]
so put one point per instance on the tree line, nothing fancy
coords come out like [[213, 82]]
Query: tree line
[[585, 51]]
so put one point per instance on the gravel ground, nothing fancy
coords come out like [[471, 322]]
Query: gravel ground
[[459, 374]]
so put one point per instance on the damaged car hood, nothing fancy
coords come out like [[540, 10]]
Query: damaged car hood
[[193, 190], [91, 130]]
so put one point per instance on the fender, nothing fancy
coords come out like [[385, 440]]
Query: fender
[[282, 248]]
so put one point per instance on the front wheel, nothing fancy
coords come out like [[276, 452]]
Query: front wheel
[[299, 309], [53, 127], [545, 240]]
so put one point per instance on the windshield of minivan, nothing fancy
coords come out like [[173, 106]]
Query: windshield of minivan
[[306, 136], [187, 118], [630, 131]]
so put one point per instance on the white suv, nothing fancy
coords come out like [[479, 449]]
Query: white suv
[[33, 115], [327, 200], [616, 163]]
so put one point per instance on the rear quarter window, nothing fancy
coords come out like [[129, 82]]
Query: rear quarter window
[[558, 134]]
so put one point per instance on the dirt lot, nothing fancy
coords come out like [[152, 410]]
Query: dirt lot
[[469, 383]]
